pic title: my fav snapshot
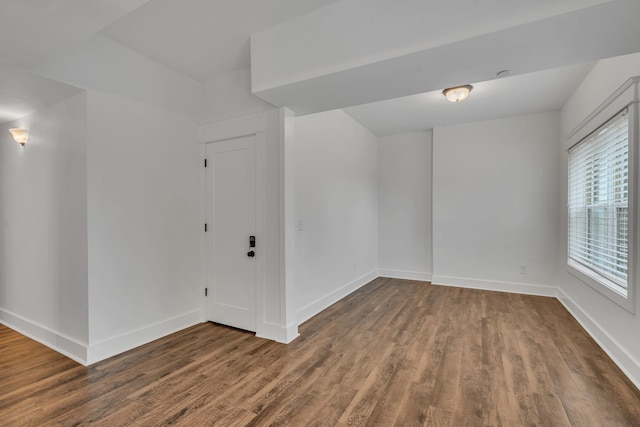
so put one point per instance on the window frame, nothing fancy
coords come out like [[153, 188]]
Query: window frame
[[625, 97]]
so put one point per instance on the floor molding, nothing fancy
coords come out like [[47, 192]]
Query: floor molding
[[278, 333], [625, 361], [95, 352], [121, 343], [57, 341], [310, 310], [405, 274], [495, 285]]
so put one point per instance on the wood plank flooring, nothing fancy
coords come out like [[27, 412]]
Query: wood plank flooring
[[394, 353]]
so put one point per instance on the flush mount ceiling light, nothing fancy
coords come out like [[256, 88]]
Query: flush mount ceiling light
[[458, 93], [20, 135]]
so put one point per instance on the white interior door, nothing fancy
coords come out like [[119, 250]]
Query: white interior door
[[231, 220]]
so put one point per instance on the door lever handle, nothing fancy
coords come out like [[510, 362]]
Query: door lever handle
[[251, 254]]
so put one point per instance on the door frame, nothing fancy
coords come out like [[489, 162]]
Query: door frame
[[254, 125]]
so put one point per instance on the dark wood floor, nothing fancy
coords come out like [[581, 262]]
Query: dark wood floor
[[393, 353]]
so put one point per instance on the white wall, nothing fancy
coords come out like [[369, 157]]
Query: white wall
[[230, 96], [144, 223], [495, 203], [336, 198], [615, 329], [144, 161], [605, 77], [143, 206], [43, 233], [404, 206]]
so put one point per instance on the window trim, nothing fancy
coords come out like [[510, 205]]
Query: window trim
[[625, 97]]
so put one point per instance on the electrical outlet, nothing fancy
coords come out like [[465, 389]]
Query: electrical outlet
[[300, 225], [523, 269]]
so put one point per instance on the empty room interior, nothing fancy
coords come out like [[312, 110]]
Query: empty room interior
[[319, 212]]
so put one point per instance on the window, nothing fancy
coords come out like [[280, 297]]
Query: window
[[598, 204]]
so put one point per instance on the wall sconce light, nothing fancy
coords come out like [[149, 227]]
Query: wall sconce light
[[458, 93], [20, 135]]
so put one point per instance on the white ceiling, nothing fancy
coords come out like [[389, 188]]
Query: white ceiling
[[546, 90], [528, 39], [33, 31], [356, 33], [204, 39], [199, 38], [23, 93]]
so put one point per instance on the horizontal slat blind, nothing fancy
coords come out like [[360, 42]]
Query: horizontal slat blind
[[599, 202]]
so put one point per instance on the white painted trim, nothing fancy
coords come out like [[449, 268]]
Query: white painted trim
[[278, 333], [268, 331], [260, 224], [623, 96], [286, 199], [495, 285], [57, 341], [625, 360], [310, 310], [626, 96], [232, 128], [203, 236], [247, 125], [78, 351], [406, 275], [289, 333], [132, 339], [283, 216]]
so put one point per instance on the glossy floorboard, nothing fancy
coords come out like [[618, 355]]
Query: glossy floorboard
[[393, 353]]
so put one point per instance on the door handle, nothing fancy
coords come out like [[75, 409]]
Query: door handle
[[251, 254]]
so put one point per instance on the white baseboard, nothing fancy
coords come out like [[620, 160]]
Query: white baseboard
[[310, 310], [290, 333], [625, 361], [494, 285], [85, 355], [57, 341], [268, 331], [406, 275], [278, 333], [121, 343]]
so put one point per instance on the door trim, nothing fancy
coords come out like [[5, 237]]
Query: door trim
[[216, 132]]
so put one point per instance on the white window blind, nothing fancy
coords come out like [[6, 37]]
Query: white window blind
[[599, 204]]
